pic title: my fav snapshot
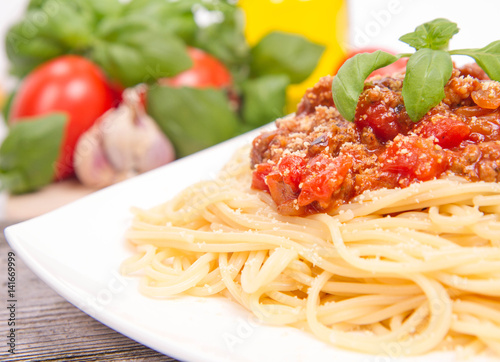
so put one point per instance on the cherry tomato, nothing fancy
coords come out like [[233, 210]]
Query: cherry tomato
[[70, 84], [206, 72], [396, 67]]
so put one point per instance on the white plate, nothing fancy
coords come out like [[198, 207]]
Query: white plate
[[78, 249]]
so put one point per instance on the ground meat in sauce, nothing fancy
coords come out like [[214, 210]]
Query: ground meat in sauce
[[315, 160]]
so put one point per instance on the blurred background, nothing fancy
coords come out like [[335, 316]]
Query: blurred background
[[369, 23], [332, 29]]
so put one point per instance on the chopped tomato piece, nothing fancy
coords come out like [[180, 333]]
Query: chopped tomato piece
[[446, 132], [412, 157], [279, 190], [322, 176], [381, 118], [283, 195], [296, 183], [259, 176], [291, 168]]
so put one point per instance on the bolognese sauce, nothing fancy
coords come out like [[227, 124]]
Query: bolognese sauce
[[315, 160]]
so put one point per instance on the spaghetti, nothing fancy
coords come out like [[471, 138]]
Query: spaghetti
[[380, 236], [395, 271]]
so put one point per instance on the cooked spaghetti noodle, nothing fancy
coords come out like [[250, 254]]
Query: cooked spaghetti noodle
[[380, 235], [394, 272]]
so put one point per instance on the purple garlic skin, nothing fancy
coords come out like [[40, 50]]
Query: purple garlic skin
[[124, 142]]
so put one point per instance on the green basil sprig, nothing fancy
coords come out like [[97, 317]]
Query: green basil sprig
[[427, 71], [435, 34]]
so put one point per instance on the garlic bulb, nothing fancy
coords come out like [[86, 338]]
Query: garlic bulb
[[124, 142]]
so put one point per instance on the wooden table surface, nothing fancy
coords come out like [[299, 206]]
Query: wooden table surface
[[48, 328]]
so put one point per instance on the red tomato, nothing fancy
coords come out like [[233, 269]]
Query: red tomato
[[70, 84], [206, 72], [396, 67], [446, 132], [292, 168], [380, 117], [322, 177], [262, 170], [414, 158]]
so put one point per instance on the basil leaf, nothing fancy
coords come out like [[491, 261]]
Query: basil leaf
[[25, 53], [71, 25], [49, 29], [132, 53], [104, 8], [193, 119], [284, 53], [36, 4], [427, 72], [223, 36], [264, 99], [42, 4], [349, 82], [6, 107], [434, 34], [89, 9], [28, 153], [175, 17], [214, 26], [148, 8], [488, 58]]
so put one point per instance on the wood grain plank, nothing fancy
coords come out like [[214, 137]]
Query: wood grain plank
[[48, 328]]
